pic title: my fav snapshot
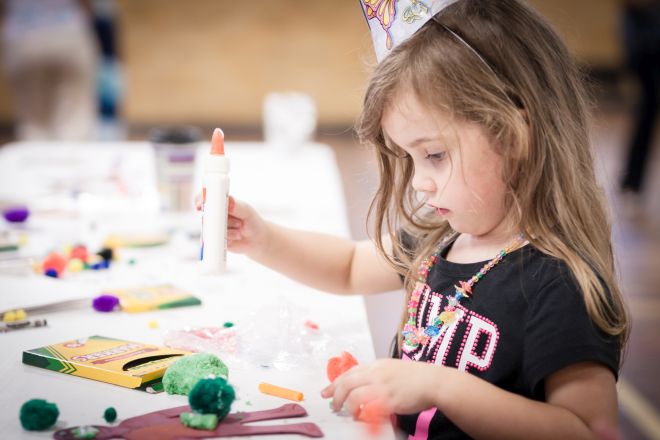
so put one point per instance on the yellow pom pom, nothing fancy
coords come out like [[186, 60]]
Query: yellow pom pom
[[112, 241], [75, 265], [153, 324]]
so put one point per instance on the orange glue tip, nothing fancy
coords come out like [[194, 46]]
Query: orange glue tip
[[218, 142]]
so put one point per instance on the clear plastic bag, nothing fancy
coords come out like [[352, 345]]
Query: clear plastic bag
[[283, 336], [215, 340], [280, 335]]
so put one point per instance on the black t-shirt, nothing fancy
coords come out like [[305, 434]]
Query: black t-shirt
[[525, 320]]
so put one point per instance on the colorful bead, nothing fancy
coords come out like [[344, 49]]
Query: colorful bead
[[447, 316], [432, 330]]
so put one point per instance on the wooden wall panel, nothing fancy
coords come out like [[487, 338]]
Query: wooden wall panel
[[212, 61]]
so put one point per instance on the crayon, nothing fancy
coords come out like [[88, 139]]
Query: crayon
[[18, 325]]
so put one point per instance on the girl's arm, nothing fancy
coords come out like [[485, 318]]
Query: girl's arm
[[321, 261], [579, 399]]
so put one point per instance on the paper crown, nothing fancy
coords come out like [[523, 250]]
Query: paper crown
[[393, 21]]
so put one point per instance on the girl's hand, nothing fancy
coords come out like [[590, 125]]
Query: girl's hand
[[246, 230], [394, 385]]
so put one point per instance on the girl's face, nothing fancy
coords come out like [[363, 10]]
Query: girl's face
[[456, 169]]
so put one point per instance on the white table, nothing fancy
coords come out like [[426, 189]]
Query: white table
[[300, 189]]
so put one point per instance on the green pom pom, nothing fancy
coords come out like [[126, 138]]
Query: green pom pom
[[110, 414], [37, 415], [212, 396], [182, 375]]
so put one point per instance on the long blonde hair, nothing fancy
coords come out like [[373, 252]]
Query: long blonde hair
[[523, 88]]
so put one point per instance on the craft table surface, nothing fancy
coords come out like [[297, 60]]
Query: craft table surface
[[84, 191]]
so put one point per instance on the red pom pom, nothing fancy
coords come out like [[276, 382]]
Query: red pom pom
[[80, 252]]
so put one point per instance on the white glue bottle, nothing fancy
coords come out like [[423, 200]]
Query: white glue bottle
[[215, 195]]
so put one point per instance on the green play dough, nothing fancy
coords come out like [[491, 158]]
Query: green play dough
[[199, 421], [182, 375], [85, 432]]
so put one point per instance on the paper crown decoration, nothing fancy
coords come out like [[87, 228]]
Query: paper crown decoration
[[393, 21]]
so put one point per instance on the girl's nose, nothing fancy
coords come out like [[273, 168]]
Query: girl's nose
[[423, 183]]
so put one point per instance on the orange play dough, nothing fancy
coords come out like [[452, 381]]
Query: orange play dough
[[338, 365]]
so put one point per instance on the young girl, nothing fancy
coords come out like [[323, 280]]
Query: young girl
[[489, 212]]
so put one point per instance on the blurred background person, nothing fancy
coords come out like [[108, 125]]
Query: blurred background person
[[109, 77], [641, 38], [50, 62]]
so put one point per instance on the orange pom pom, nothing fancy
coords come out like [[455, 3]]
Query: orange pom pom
[[54, 261]]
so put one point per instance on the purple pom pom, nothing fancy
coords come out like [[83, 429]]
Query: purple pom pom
[[105, 303], [16, 214]]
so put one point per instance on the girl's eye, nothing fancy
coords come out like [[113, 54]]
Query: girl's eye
[[436, 156]]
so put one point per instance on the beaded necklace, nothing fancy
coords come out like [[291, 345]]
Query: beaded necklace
[[414, 336]]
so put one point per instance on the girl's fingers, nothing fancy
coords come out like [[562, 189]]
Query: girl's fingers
[[344, 384], [234, 223], [234, 234], [239, 210], [358, 398], [328, 391]]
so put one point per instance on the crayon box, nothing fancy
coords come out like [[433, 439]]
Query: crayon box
[[125, 363]]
